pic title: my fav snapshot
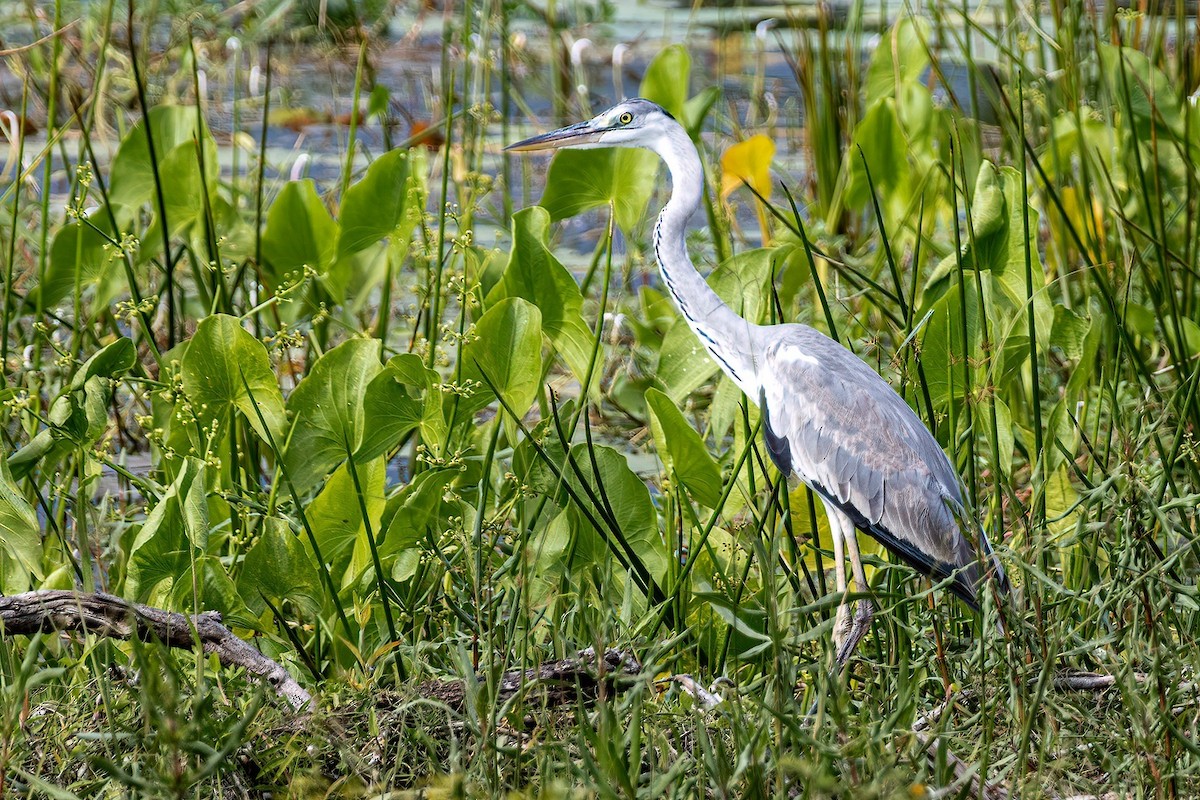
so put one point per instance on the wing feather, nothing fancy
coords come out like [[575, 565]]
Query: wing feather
[[847, 434]]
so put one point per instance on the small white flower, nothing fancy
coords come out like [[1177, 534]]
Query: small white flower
[[298, 167], [577, 50], [763, 28]]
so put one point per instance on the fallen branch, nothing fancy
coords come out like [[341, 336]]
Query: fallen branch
[[964, 774], [559, 682], [111, 616]]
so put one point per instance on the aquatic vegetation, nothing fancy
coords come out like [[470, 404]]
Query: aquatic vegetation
[[398, 424]]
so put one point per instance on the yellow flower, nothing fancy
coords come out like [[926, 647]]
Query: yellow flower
[[749, 162]]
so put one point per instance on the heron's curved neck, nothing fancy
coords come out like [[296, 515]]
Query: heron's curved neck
[[724, 334]]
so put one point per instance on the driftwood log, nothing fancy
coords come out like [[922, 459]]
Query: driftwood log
[[556, 682], [108, 615]]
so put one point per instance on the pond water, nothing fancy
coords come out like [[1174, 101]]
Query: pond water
[[737, 49]]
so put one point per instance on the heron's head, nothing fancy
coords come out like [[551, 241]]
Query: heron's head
[[631, 123]]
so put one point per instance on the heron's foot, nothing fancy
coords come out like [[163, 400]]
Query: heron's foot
[[864, 613], [842, 626]]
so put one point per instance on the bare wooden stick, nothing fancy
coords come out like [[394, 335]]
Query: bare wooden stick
[[111, 616]]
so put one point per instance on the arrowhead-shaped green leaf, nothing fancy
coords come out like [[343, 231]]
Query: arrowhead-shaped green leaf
[[682, 450], [176, 130], [397, 400], [327, 411], [533, 273], [20, 537], [625, 497], [374, 206], [225, 369], [173, 536], [278, 567], [507, 353], [300, 232]]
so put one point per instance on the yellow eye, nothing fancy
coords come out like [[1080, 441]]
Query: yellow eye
[[626, 118]]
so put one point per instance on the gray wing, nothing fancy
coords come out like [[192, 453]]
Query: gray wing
[[847, 434]]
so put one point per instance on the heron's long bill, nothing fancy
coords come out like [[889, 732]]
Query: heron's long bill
[[579, 133]]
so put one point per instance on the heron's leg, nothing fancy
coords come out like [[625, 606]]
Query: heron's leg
[[838, 524], [864, 609], [837, 530]]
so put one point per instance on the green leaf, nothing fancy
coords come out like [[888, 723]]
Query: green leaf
[[78, 417], [327, 411], [628, 502], [1079, 383], [580, 180], [942, 347], [540, 472], [1004, 435], [221, 361], [988, 208], [110, 361], [82, 253], [507, 349], [666, 79], [1189, 339], [20, 537], [173, 536], [998, 225], [1062, 515], [683, 364], [300, 232], [373, 208], [998, 218], [901, 58], [743, 617], [183, 195], [96, 394], [420, 510], [175, 131], [336, 517], [377, 103], [697, 108], [547, 555], [1069, 331], [44, 445], [1143, 91], [879, 139], [397, 400], [534, 274], [214, 590], [1061, 438], [682, 450], [278, 567]]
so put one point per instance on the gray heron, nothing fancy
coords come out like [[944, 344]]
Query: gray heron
[[828, 417]]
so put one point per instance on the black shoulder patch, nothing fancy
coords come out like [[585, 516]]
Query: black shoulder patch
[[777, 446]]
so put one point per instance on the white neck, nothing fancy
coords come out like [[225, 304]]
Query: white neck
[[724, 334]]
